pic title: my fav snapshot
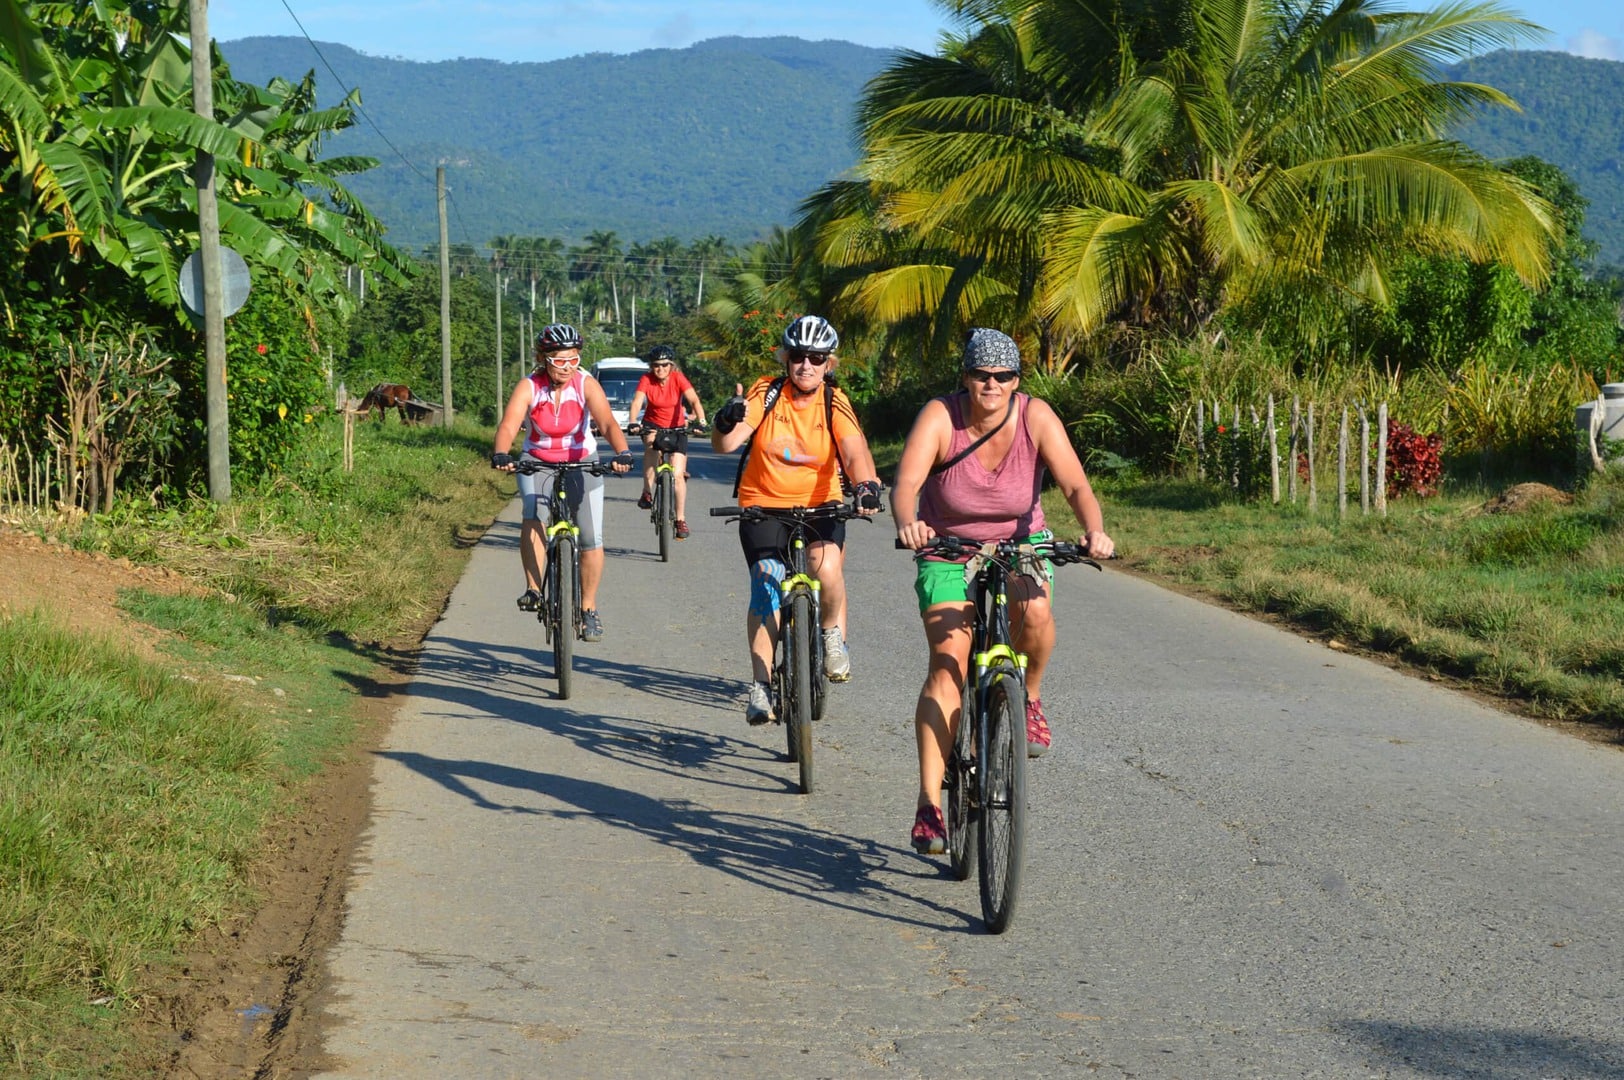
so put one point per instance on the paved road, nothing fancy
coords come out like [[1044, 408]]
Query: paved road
[[1252, 857]]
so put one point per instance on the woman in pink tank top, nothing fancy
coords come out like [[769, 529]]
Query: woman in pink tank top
[[973, 467]]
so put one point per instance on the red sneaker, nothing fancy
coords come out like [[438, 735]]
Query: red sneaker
[[929, 831], [645, 501], [1037, 729], [681, 531]]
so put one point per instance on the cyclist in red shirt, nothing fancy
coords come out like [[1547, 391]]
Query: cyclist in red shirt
[[659, 402]]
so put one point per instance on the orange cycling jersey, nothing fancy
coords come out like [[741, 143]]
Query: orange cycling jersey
[[792, 456]]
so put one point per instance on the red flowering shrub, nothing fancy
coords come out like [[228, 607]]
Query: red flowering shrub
[[1414, 461]]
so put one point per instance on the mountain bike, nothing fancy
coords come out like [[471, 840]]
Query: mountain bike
[[560, 611], [797, 672], [666, 442], [984, 788]]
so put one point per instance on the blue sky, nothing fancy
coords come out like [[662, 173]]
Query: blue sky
[[517, 30]]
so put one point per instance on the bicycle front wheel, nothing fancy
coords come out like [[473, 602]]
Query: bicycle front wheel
[[1002, 808], [960, 800], [562, 572], [665, 511], [798, 628]]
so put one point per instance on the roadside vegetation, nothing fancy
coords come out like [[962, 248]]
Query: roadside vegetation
[[1225, 203], [138, 790]]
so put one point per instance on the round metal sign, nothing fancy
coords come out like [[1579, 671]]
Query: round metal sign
[[234, 281]]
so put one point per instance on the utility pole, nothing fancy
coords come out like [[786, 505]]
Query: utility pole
[[208, 235], [445, 298], [498, 339]]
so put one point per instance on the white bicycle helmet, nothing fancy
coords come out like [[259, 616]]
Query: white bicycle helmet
[[811, 333]]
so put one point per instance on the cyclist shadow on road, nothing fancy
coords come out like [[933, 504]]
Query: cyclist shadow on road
[[482, 678], [837, 871], [1488, 1052]]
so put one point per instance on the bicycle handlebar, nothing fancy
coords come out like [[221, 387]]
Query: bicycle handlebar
[[838, 511], [530, 466], [692, 427], [1060, 552]]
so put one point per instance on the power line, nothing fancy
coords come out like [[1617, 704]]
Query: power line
[[347, 92]]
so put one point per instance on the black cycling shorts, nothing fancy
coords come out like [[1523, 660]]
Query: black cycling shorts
[[767, 539], [670, 440]]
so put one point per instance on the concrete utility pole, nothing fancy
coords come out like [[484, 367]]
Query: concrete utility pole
[[498, 341], [445, 299], [208, 228]]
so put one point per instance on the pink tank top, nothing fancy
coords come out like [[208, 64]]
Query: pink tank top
[[976, 503], [559, 428]]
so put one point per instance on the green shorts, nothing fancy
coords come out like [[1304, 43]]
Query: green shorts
[[938, 582]]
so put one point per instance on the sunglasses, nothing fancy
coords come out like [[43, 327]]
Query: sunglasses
[[816, 359], [564, 361], [659, 367], [1003, 376]]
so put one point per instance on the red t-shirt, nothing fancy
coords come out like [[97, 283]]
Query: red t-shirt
[[665, 400]]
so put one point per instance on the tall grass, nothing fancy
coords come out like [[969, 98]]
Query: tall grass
[[1496, 421]]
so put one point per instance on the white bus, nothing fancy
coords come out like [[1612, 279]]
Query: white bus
[[619, 376]]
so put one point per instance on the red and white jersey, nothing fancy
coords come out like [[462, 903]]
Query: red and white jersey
[[559, 428]]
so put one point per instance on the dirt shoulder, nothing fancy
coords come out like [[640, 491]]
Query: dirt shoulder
[[238, 1005]]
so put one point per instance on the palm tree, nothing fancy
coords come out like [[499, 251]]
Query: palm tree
[[1068, 163]]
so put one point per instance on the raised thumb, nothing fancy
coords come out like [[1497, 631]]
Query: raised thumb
[[738, 389]]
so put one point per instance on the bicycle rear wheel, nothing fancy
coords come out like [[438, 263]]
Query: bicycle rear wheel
[[1003, 798], [798, 632], [960, 781], [562, 572], [665, 511]]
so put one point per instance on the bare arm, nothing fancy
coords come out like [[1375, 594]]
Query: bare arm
[[1054, 446], [513, 417], [690, 397], [927, 444], [634, 413]]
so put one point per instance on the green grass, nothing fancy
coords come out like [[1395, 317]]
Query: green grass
[[1529, 606], [136, 793], [133, 803]]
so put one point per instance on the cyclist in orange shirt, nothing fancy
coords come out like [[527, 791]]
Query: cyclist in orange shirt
[[807, 434]]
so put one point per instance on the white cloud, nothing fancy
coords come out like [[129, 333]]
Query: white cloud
[[1595, 45]]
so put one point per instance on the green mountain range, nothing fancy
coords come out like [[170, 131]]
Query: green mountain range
[[1571, 117], [726, 137], [723, 138]]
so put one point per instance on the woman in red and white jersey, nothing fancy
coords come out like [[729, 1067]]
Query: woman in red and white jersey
[[555, 406]]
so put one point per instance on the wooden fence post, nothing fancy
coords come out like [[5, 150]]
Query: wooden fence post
[[1313, 477], [1274, 456], [1291, 450], [1381, 459], [1201, 440], [1364, 458], [1342, 467], [1235, 451]]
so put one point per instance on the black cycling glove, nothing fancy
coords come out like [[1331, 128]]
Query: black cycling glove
[[624, 458], [501, 461], [728, 416], [867, 494]]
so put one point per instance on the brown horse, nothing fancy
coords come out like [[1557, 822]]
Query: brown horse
[[386, 396]]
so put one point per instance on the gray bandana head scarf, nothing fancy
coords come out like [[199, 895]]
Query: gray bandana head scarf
[[991, 350]]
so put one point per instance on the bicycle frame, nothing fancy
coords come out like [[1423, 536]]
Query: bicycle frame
[[984, 781], [561, 627], [797, 670]]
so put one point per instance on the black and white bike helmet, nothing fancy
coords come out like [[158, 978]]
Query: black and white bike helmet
[[662, 354], [811, 333], [555, 336]]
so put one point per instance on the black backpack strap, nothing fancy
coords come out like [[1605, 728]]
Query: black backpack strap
[[768, 400], [974, 446]]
